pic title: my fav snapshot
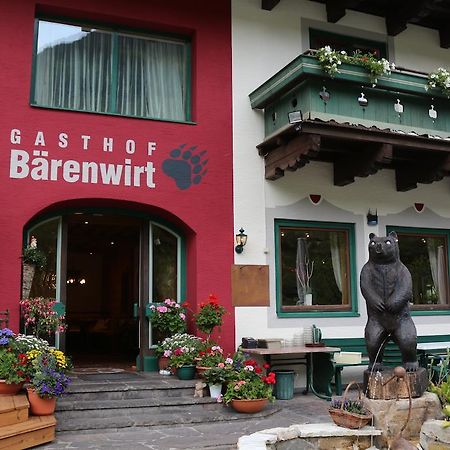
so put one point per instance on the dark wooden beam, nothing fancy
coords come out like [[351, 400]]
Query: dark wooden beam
[[291, 156], [402, 12], [434, 168], [268, 5], [368, 161], [366, 135], [395, 24], [335, 10], [444, 37]]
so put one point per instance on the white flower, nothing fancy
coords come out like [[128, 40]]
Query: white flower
[[249, 368], [33, 242]]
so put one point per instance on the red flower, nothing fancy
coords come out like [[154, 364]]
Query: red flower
[[266, 366], [258, 370], [250, 362], [270, 379], [213, 299]]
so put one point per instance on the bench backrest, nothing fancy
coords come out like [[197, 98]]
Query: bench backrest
[[392, 355]]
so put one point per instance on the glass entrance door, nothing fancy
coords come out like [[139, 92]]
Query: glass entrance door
[[104, 268], [102, 284]]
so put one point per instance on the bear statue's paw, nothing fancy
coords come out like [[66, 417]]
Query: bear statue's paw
[[411, 366]]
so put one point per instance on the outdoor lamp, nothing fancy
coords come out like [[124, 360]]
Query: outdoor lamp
[[372, 217], [296, 118], [241, 240]]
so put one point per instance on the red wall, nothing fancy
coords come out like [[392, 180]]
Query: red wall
[[205, 208]]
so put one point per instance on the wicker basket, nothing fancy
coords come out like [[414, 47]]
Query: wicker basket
[[348, 419]]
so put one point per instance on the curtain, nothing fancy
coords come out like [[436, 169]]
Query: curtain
[[301, 269], [336, 259], [438, 269], [76, 74], [338, 252], [151, 78], [136, 76]]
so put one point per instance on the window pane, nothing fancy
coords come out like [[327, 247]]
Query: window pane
[[44, 280], [314, 267], [426, 258], [165, 251], [351, 44], [73, 67], [151, 78]]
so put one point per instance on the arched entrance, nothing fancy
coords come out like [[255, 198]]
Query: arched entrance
[[104, 266]]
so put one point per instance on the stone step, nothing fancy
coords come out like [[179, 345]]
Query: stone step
[[136, 417], [13, 409], [120, 392], [94, 406], [34, 431], [137, 386]]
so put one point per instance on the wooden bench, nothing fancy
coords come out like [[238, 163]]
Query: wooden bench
[[392, 356]]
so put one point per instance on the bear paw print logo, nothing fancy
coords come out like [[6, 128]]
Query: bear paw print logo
[[186, 167]]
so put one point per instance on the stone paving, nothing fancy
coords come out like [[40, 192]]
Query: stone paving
[[215, 435]]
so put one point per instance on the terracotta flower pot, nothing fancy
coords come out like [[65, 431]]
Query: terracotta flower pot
[[163, 363], [40, 406], [9, 388], [249, 406], [201, 370]]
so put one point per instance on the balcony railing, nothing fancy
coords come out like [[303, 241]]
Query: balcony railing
[[398, 102]]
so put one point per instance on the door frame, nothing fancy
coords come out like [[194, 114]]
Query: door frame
[[145, 267]]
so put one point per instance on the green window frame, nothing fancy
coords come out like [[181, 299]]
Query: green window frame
[[347, 309], [113, 95], [351, 44], [422, 234]]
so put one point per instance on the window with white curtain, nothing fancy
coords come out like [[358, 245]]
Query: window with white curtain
[[425, 253], [314, 265], [106, 71]]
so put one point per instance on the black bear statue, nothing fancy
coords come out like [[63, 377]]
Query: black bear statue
[[387, 288]]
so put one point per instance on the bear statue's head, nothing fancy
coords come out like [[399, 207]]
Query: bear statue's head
[[383, 249]]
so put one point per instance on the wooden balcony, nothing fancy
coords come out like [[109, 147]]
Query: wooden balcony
[[403, 126]]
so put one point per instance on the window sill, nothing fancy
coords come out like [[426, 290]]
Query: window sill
[[157, 119], [316, 313], [430, 312]]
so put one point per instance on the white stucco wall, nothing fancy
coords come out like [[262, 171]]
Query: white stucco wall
[[264, 42]]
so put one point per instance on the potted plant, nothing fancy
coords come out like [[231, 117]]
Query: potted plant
[[210, 315], [165, 348], [26, 342], [182, 360], [13, 364], [441, 387], [349, 413], [167, 319], [211, 356], [48, 380], [40, 317], [216, 376], [250, 390], [32, 257], [330, 60]]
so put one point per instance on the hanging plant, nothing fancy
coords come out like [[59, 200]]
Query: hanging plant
[[439, 79], [330, 60]]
